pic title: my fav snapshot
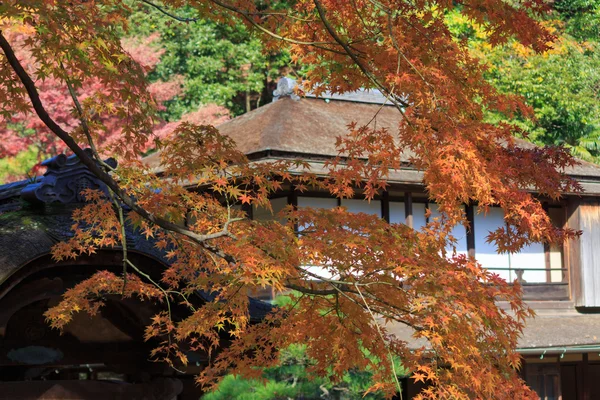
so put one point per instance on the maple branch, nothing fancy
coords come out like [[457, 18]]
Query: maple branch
[[187, 19], [84, 124], [145, 275], [346, 283], [88, 135], [123, 238], [168, 14], [315, 292], [382, 339], [344, 292], [399, 103], [89, 162], [166, 295], [248, 17], [397, 47]]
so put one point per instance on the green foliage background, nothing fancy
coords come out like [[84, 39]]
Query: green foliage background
[[17, 165], [291, 380], [220, 63], [562, 86]]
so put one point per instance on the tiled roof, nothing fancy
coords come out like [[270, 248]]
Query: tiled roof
[[560, 330]]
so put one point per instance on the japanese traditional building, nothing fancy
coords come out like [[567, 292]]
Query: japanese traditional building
[[97, 357], [561, 346]]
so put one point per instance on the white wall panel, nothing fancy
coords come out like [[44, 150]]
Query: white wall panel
[[419, 220], [397, 212], [372, 207], [531, 256], [486, 253], [322, 203], [589, 243], [459, 232], [317, 202]]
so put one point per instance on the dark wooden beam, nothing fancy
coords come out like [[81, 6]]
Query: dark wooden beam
[[27, 294], [293, 197], [408, 208], [92, 390], [470, 211], [385, 206]]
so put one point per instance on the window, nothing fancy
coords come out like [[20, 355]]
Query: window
[[397, 212], [418, 214], [529, 265], [459, 232], [545, 380], [534, 264], [485, 252], [557, 272], [264, 214], [323, 203]]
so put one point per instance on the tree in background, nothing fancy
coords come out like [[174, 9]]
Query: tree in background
[[212, 63], [220, 63], [290, 379], [377, 273], [25, 140], [201, 71], [562, 85]]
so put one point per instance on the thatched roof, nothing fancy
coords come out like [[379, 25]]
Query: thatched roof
[[557, 330], [307, 128]]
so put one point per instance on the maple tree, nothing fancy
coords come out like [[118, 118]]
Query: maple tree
[[377, 273], [21, 133]]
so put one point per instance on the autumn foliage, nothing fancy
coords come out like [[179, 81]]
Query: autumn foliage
[[22, 130], [377, 273]]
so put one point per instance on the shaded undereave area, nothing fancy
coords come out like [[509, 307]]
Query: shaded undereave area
[[96, 357]]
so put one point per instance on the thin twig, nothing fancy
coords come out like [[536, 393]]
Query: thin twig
[[168, 14], [248, 17], [145, 275], [383, 340], [84, 124], [398, 103], [123, 240]]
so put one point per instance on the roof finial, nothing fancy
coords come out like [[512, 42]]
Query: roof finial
[[64, 181], [285, 88]]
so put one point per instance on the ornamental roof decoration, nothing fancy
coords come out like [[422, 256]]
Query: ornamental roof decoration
[[286, 87], [63, 181]]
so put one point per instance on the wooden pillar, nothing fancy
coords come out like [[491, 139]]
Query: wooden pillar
[[408, 208], [385, 206], [470, 211], [293, 197]]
